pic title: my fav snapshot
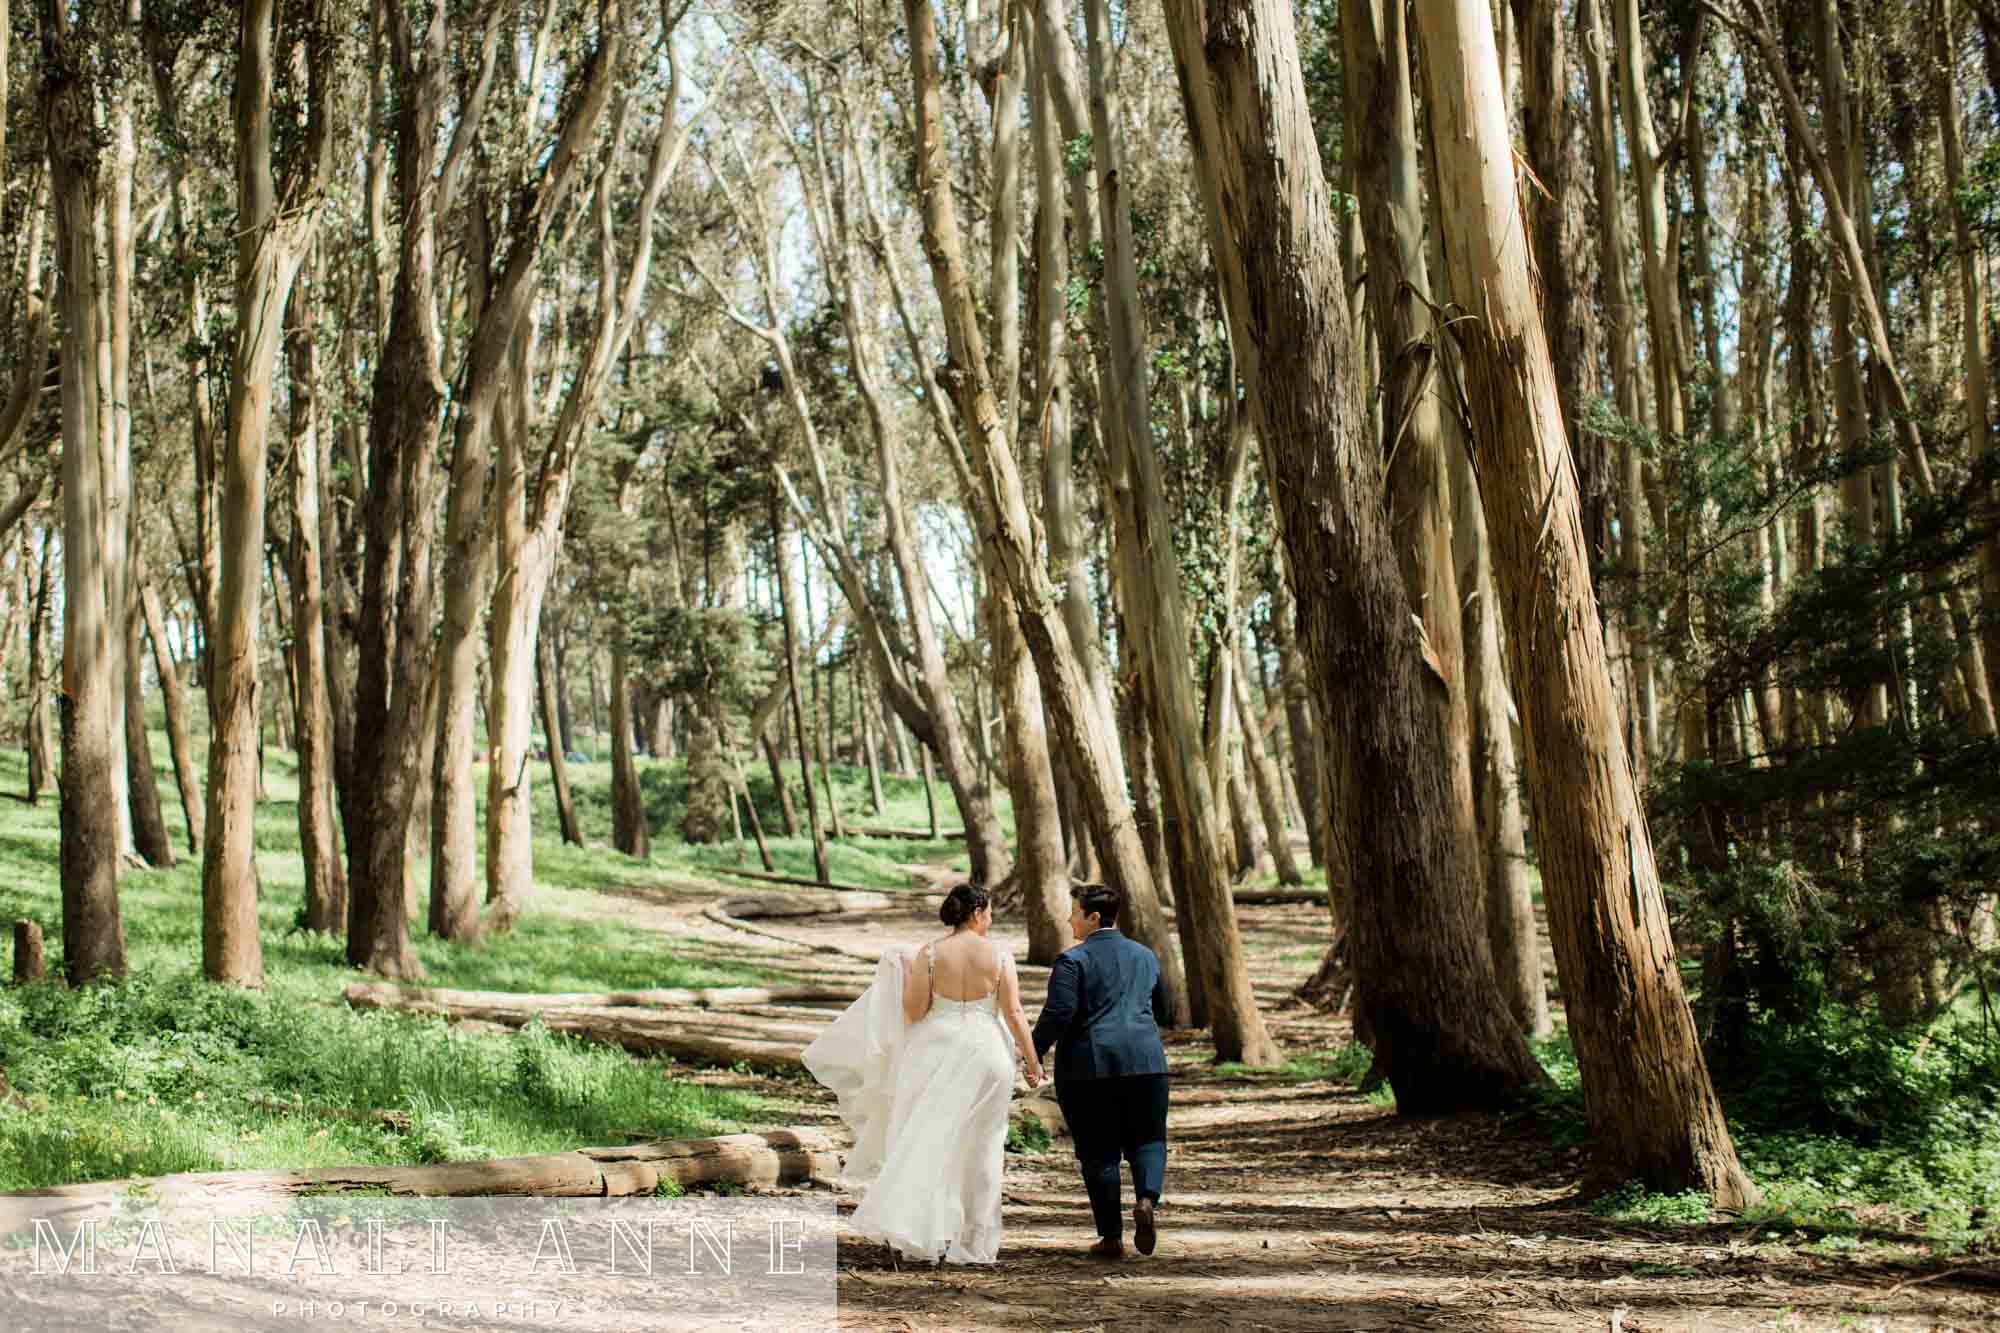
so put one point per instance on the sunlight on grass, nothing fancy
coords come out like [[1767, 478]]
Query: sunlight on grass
[[165, 1072]]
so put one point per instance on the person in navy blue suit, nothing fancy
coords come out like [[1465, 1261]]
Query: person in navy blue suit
[[1106, 1004]]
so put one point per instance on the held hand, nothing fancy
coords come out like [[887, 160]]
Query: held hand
[[1035, 1075]]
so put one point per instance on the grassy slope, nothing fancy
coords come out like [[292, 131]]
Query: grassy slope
[[166, 1073]]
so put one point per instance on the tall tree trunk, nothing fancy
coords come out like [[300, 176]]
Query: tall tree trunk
[[149, 825], [788, 597], [1660, 270], [1053, 426], [466, 567], [628, 808], [93, 930], [269, 249], [1197, 811], [822, 714], [178, 743], [864, 736], [1496, 778], [1972, 300], [547, 690], [326, 877], [1614, 275], [1270, 792], [1301, 729], [114, 374], [1041, 870], [1066, 690], [513, 628], [1401, 832], [985, 843], [393, 675], [41, 736], [1651, 1105]]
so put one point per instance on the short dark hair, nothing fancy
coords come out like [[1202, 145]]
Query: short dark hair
[[1100, 901]]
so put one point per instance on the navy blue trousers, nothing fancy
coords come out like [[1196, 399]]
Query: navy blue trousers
[[1112, 1119]]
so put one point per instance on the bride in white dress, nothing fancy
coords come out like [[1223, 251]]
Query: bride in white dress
[[923, 1066]]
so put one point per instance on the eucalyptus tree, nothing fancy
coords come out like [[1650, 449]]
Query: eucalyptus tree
[[1399, 825], [1646, 1085], [290, 64], [93, 929], [406, 418], [530, 525], [1066, 687]]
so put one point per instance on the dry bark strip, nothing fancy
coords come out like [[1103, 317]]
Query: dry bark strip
[[769, 1157]]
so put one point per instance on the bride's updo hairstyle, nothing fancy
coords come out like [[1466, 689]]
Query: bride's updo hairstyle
[[962, 904]]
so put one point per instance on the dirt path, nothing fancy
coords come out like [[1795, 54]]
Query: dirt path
[[1297, 1203]]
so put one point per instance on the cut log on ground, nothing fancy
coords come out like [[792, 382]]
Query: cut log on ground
[[686, 1034], [388, 995], [28, 963], [770, 1157]]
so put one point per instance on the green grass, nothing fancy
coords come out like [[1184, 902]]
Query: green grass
[[165, 1072]]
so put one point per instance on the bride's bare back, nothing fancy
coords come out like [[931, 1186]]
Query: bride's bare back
[[964, 967]]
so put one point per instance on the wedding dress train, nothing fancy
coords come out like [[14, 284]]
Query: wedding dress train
[[927, 1103]]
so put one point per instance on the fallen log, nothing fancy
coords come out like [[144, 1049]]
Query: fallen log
[[825, 886], [717, 913], [388, 995], [758, 906], [686, 1034], [1279, 897], [769, 1157], [912, 834]]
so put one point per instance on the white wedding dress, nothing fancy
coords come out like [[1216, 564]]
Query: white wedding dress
[[927, 1103]]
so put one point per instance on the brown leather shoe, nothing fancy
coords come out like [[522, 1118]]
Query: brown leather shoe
[[1111, 1251], [1143, 1234]]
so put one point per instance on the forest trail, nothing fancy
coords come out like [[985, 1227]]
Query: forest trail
[[1294, 1202]]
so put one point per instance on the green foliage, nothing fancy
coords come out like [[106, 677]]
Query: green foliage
[[1633, 1202], [1025, 1134], [1077, 154], [1838, 1121], [1815, 856], [1838, 1072]]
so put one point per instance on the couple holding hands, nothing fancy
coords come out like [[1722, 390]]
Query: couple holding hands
[[923, 1065]]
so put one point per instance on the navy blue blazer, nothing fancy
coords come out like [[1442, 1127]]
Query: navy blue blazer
[[1105, 1006]]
